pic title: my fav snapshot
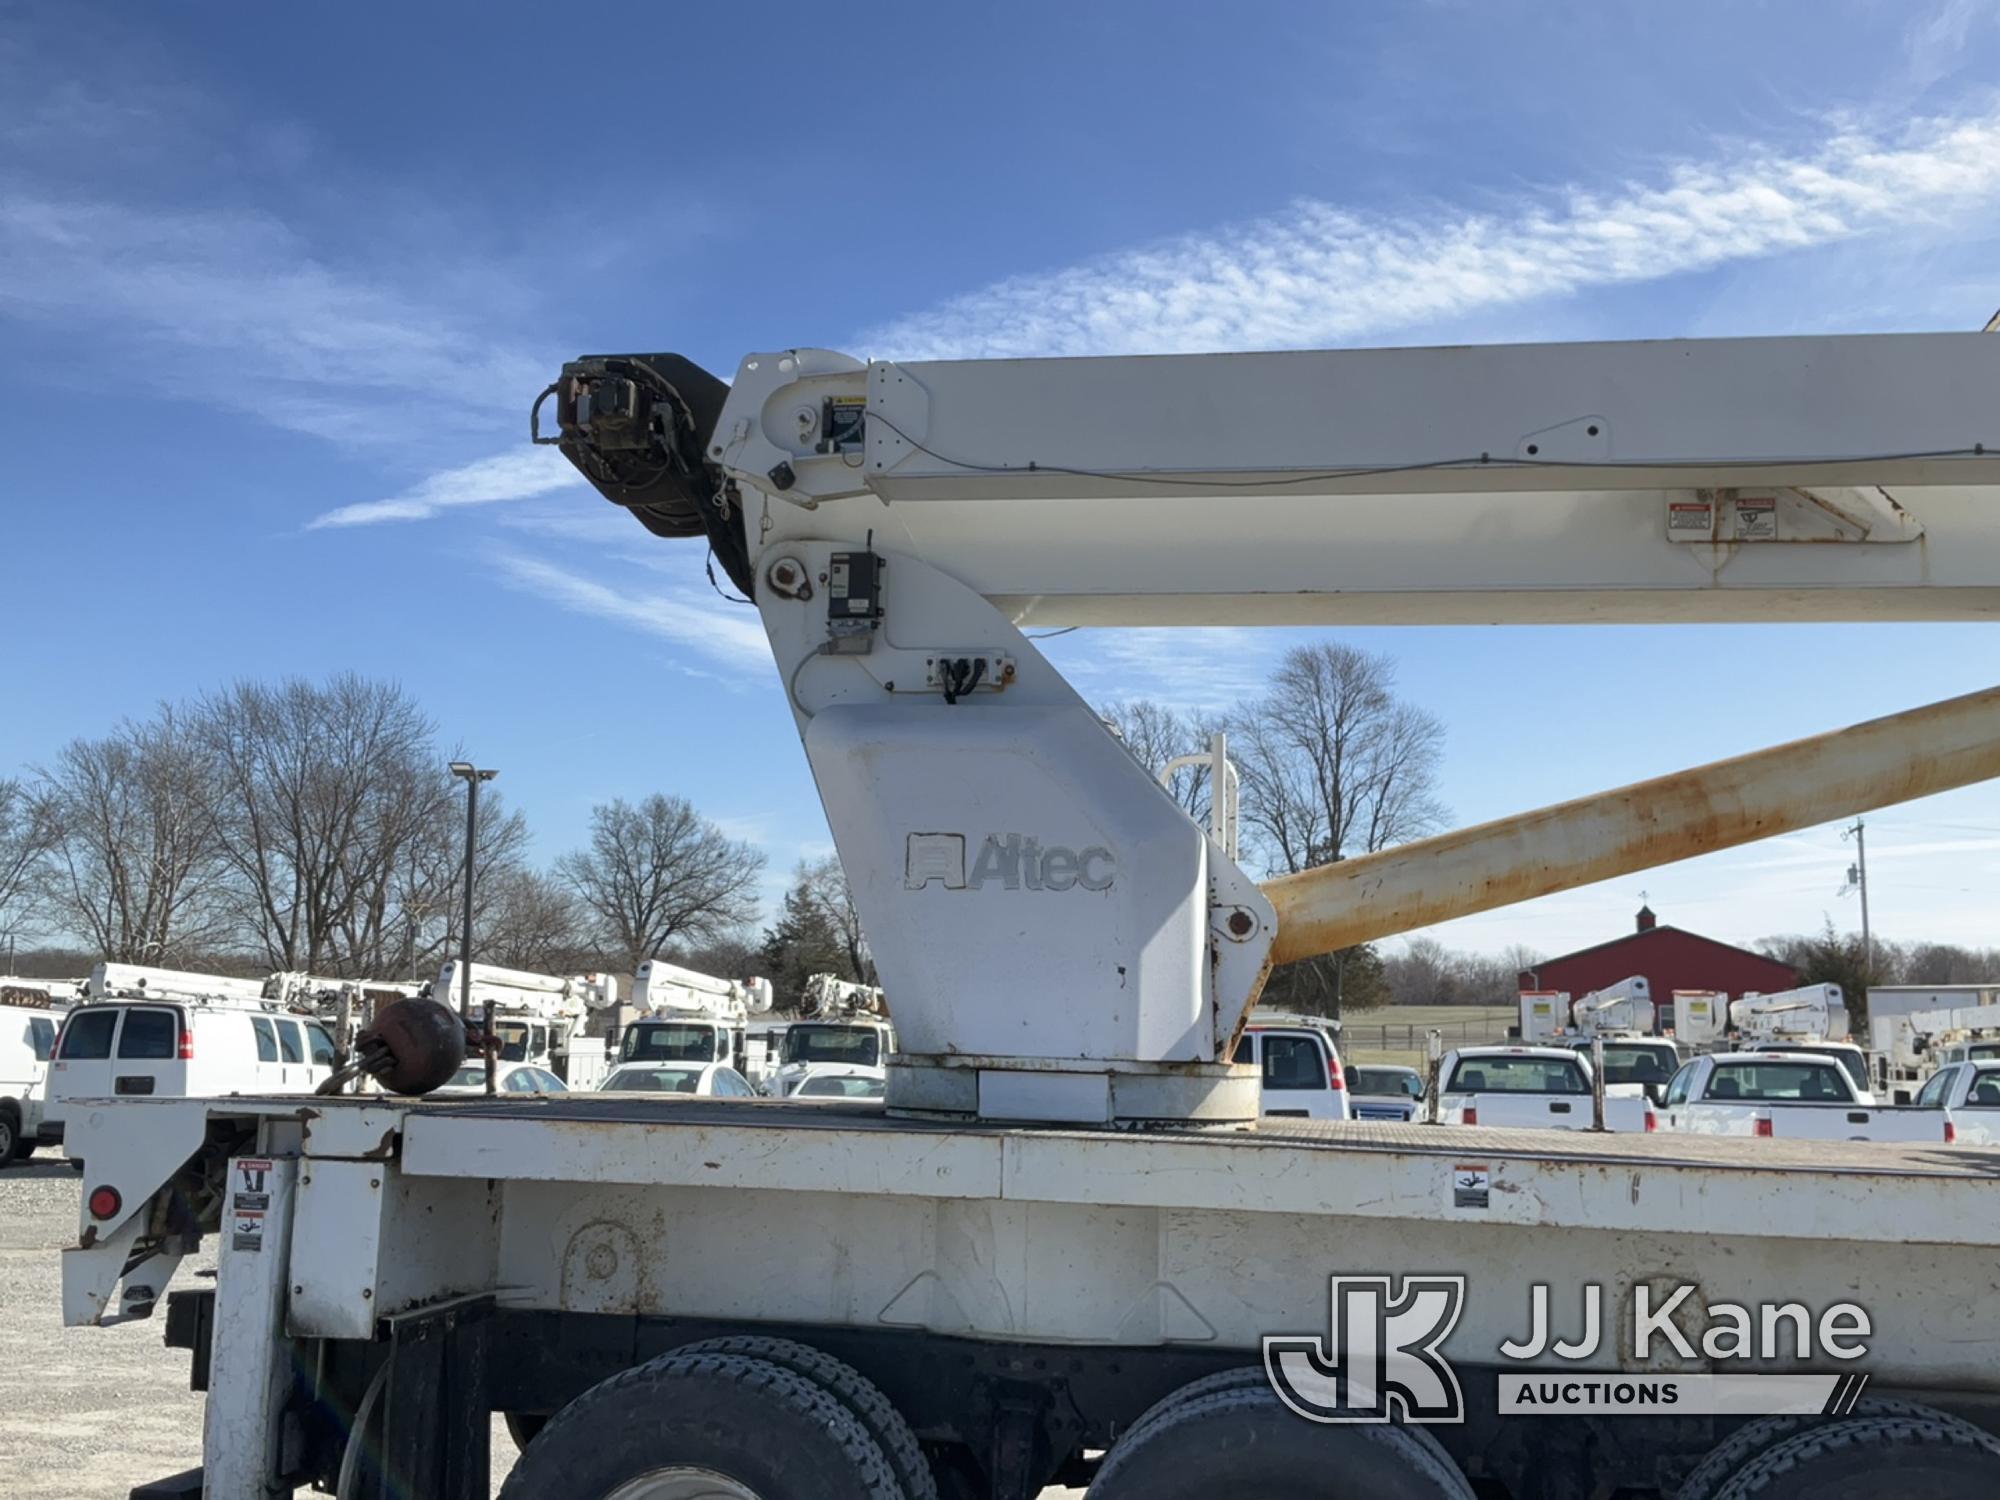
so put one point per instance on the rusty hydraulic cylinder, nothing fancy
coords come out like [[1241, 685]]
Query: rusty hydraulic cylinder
[[1788, 787]]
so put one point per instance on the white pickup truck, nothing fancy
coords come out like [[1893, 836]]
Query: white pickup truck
[[1548, 1088], [1849, 1055], [1634, 1066], [1968, 1094], [1798, 1095]]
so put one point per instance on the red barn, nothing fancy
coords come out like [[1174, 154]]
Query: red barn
[[1669, 958]]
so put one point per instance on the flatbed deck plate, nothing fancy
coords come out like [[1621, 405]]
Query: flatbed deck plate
[[1715, 1153]]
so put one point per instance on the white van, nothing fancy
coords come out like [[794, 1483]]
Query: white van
[[1301, 1068], [27, 1038], [113, 1047]]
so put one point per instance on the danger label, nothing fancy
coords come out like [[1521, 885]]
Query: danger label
[[1690, 520]]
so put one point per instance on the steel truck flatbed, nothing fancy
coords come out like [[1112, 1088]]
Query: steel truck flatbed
[[623, 1224]]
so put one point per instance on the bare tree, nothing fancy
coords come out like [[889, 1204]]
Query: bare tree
[[534, 922], [660, 873], [27, 833], [1424, 973], [1156, 734], [410, 925], [323, 788], [822, 884], [136, 868], [1334, 766], [339, 822]]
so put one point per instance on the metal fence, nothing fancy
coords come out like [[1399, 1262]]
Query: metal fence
[[1398, 1036]]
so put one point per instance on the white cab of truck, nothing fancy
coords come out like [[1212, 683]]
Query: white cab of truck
[[27, 1039], [1300, 1069], [1796, 1095], [809, 1045], [1545, 1088], [1968, 1095]]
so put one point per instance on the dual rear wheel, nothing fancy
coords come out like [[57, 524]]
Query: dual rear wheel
[[729, 1419], [1886, 1447]]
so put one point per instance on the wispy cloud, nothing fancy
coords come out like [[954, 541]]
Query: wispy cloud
[[1199, 668], [1935, 43], [1317, 274], [728, 634], [233, 307], [232, 263], [518, 475]]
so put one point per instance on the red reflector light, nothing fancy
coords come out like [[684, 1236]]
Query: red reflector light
[[1652, 1122], [1764, 1125], [1333, 1078], [105, 1203], [1950, 1133], [1471, 1114], [187, 1046]]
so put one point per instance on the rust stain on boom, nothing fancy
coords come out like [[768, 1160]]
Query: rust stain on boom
[[1736, 801]]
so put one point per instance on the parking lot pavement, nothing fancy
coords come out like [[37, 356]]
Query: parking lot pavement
[[86, 1413]]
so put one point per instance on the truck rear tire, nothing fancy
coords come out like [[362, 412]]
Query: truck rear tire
[[718, 1424], [1244, 1442], [854, 1390], [1252, 1377], [10, 1136], [1754, 1438], [1868, 1457]]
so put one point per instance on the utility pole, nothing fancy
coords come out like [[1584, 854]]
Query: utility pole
[[1857, 876]]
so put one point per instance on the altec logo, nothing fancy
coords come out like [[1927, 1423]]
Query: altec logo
[[1011, 860]]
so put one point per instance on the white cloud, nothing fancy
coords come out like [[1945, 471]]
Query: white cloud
[[728, 634], [1317, 274], [1198, 668], [521, 474]]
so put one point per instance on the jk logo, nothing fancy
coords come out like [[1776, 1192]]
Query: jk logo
[[1380, 1357]]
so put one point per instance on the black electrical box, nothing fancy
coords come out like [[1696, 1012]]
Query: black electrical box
[[843, 424], [853, 601]]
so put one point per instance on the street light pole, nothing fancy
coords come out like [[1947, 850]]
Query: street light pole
[[472, 775]]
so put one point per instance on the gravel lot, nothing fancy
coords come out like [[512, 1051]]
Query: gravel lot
[[86, 1413]]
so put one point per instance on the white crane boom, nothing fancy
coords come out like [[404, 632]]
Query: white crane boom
[[1062, 941], [661, 986], [109, 981], [1812, 1012]]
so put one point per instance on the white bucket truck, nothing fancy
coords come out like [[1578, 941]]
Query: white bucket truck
[[1065, 1248], [685, 1016]]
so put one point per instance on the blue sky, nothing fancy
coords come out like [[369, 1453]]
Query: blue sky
[[278, 283]]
